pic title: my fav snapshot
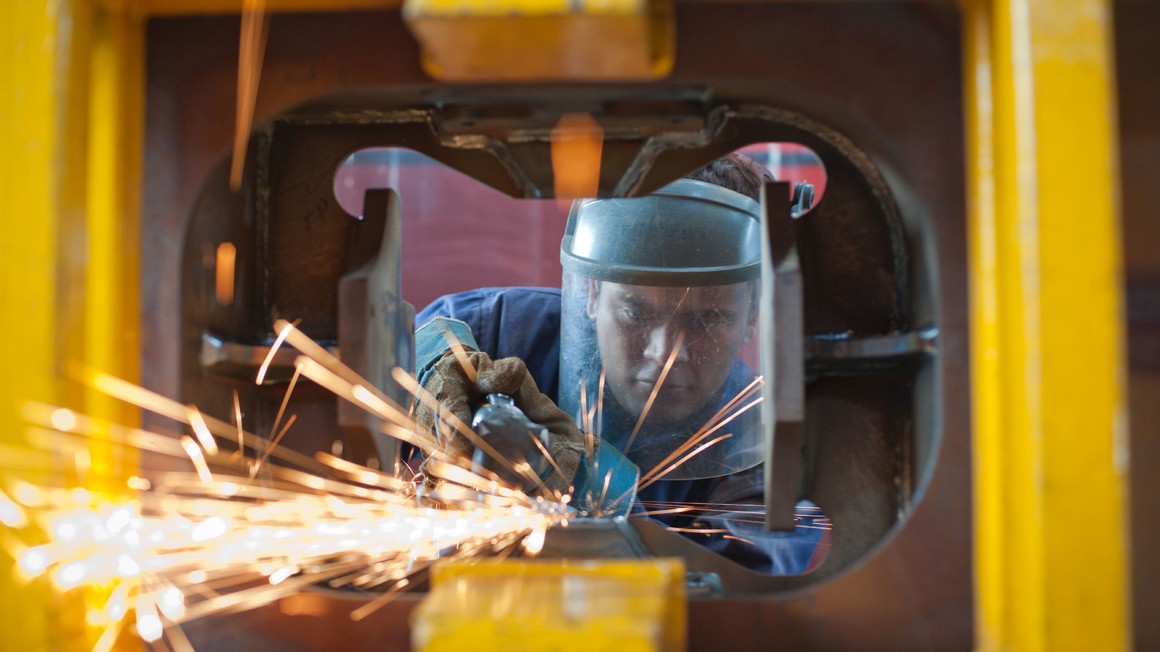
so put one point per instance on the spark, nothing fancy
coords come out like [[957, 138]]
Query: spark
[[273, 444], [719, 419], [548, 456], [189, 543], [689, 449], [657, 475], [760, 507], [377, 603], [34, 562], [64, 419], [251, 48], [148, 621], [460, 353], [698, 530], [238, 420], [186, 544], [283, 331], [534, 542], [204, 437], [177, 639], [11, 514], [660, 470], [302, 525], [283, 573], [604, 491], [286, 399], [600, 403], [197, 458], [172, 602], [109, 636], [738, 513], [324, 368], [656, 390], [693, 444]]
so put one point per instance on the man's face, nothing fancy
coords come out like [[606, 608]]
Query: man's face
[[638, 327]]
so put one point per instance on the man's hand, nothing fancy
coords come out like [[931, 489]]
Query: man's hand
[[451, 385]]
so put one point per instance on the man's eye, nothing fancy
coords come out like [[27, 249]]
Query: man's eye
[[630, 312], [712, 319]]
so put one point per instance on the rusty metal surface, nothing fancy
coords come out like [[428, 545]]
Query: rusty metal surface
[[1139, 150], [313, 621], [873, 268], [191, 78]]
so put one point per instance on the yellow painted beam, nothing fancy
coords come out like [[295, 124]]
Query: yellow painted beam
[[543, 40], [987, 395], [196, 7], [1084, 376], [111, 316], [113, 168], [1047, 341], [69, 181], [34, 79]]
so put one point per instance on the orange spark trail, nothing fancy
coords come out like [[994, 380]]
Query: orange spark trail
[[652, 397], [182, 545]]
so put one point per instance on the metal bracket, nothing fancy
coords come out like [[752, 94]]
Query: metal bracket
[[242, 361], [847, 354], [782, 305]]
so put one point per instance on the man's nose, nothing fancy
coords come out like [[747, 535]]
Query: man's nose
[[661, 340]]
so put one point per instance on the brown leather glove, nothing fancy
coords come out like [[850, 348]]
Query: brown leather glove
[[450, 385]]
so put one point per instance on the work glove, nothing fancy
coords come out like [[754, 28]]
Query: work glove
[[450, 384]]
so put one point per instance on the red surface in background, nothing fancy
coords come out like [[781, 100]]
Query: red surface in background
[[459, 234]]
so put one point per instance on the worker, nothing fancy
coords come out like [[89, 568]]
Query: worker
[[651, 345]]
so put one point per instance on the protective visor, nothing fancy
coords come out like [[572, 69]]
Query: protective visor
[[659, 348]]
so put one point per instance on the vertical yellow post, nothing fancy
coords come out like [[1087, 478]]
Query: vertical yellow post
[[1048, 378], [35, 84], [112, 322], [71, 85]]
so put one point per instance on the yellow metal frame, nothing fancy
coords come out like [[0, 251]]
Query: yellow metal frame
[[1047, 328], [1047, 333], [68, 264]]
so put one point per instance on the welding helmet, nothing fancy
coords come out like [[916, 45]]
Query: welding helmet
[[658, 348]]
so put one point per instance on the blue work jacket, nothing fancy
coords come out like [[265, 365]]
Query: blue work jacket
[[525, 323]]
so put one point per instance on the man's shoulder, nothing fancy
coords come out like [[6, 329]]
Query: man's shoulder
[[510, 291], [522, 322], [458, 304]]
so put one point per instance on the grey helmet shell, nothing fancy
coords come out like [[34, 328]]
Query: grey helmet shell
[[688, 233]]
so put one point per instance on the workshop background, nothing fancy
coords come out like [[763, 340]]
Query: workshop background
[[116, 113]]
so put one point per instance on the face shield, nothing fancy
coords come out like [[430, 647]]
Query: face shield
[[659, 348]]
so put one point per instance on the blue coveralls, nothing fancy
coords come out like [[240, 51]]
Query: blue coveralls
[[525, 323]]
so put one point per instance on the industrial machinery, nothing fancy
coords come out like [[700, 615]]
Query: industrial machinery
[[862, 390], [936, 428]]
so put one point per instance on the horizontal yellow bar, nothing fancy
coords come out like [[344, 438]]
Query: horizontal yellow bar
[[196, 7], [520, 8]]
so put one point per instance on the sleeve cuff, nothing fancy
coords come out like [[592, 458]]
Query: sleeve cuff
[[434, 338]]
